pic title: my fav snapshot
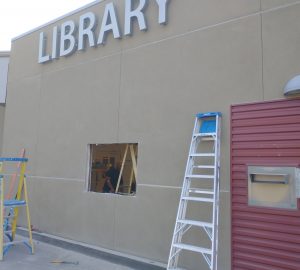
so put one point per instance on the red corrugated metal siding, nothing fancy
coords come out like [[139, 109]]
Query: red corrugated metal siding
[[266, 134]]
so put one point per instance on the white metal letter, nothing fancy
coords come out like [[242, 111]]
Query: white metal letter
[[109, 23], [162, 11], [55, 39], [87, 24], [137, 13], [42, 49], [67, 39]]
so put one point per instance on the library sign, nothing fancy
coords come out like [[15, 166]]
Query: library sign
[[71, 36]]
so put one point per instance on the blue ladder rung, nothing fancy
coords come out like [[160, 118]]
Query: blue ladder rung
[[8, 245], [13, 159], [14, 202]]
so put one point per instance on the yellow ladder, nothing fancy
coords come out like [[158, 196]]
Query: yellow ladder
[[9, 209]]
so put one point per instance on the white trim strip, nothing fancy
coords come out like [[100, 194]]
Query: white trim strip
[[56, 178], [169, 187], [203, 28], [99, 1], [82, 181], [57, 19], [280, 7], [157, 186]]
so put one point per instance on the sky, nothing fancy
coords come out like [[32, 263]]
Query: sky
[[20, 16]]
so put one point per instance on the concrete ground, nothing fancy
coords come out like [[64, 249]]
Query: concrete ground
[[77, 255], [19, 257]]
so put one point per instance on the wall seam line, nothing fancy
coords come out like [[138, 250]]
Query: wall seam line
[[82, 181], [118, 140], [38, 124], [119, 96]]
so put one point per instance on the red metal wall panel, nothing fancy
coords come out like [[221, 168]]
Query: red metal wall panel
[[266, 134]]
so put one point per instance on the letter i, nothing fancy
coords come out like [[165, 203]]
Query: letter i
[[55, 41]]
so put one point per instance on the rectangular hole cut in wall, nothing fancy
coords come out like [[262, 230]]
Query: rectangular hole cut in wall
[[113, 168]]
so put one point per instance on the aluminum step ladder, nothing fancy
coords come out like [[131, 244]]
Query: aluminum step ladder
[[201, 190], [9, 208]]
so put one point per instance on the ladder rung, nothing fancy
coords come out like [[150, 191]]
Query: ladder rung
[[11, 216], [13, 206], [201, 191], [195, 223], [204, 166], [213, 134], [203, 155], [194, 248], [14, 243], [208, 139], [14, 203], [198, 199], [203, 176]]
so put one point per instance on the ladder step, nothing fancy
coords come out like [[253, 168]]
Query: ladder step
[[198, 199], [203, 176], [11, 216], [201, 191], [202, 134], [14, 243], [204, 167], [212, 134], [194, 248], [195, 223], [203, 155], [14, 203], [208, 139]]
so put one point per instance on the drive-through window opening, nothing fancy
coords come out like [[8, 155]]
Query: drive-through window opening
[[113, 168]]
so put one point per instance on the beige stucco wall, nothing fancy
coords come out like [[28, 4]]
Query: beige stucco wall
[[4, 62], [145, 89], [2, 115]]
